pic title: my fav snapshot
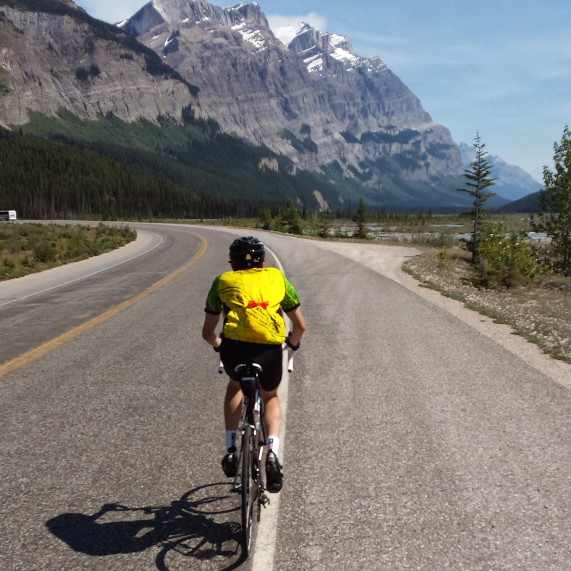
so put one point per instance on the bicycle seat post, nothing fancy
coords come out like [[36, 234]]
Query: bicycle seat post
[[249, 383]]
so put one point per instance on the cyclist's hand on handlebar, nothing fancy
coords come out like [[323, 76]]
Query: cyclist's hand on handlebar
[[217, 345]]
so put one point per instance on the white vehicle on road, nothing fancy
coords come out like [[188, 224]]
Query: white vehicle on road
[[7, 215]]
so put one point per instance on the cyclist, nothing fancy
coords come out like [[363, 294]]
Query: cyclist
[[250, 297]]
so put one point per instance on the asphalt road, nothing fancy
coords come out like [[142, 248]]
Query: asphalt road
[[413, 442]]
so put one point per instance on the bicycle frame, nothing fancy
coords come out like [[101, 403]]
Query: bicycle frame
[[252, 412], [249, 480]]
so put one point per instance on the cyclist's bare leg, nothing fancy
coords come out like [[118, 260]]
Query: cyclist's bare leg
[[272, 421], [272, 412], [233, 405]]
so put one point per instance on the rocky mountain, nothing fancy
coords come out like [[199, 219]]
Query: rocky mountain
[[512, 181], [86, 84], [225, 98], [301, 92], [59, 57]]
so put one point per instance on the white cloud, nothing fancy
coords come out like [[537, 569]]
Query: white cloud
[[313, 19]]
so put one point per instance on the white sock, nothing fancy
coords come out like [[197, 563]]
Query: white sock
[[274, 444], [230, 439]]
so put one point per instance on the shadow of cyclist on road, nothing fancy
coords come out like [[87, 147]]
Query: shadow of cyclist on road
[[202, 525]]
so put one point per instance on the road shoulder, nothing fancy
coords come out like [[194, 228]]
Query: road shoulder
[[388, 260]]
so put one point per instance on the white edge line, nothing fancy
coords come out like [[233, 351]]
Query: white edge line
[[88, 275], [268, 528]]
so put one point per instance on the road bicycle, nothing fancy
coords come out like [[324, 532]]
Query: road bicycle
[[249, 481]]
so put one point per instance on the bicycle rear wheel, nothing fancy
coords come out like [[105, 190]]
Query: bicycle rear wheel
[[249, 490]]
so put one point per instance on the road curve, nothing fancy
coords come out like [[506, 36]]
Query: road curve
[[413, 441], [12, 291], [46, 304]]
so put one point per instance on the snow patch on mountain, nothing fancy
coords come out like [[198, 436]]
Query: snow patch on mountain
[[314, 63], [253, 36], [343, 55], [337, 40]]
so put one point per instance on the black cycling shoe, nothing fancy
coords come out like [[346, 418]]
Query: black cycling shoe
[[230, 463], [274, 475]]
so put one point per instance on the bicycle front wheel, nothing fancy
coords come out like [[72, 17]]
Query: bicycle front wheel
[[248, 490]]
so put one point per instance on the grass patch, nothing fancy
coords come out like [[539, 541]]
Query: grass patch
[[31, 248], [540, 312]]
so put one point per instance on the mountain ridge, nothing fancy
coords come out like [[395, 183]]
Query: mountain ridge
[[347, 125], [258, 88]]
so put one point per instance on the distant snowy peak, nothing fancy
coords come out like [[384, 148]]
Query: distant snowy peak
[[175, 13], [317, 47], [321, 52], [342, 49], [512, 182]]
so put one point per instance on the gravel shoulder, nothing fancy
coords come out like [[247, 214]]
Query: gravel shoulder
[[388, 261]]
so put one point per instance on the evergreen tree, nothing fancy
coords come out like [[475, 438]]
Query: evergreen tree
[[477, 180], [266, 219], [291, 218], [554, 212], [360, 220], [324, 227]]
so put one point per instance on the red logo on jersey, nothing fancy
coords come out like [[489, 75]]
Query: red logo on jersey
[[263, 304]]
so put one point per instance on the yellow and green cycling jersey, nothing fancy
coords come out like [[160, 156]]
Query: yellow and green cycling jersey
[[250, 301]]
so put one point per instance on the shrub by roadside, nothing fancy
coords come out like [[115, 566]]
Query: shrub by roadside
[[539, 311], [506, 259], [29, 248]]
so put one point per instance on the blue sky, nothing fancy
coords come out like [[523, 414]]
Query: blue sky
[[501, 67]]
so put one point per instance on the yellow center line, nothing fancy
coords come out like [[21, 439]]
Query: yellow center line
[[35, 354]]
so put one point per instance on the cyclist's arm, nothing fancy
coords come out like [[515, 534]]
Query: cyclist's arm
[[298, 323], [209, 329], [212, 316], [290, 305]]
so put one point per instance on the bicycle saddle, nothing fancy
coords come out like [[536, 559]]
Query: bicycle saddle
[[248, 376]]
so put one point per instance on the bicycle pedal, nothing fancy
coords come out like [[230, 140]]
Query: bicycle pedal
[[264, 500], [237, 489]]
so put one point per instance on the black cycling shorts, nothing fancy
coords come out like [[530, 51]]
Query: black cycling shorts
[[269, 357]]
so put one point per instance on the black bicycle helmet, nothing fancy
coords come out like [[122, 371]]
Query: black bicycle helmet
[[247, 252]]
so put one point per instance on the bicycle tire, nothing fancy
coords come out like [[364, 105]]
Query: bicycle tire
[[248, 490], [259, 450]]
